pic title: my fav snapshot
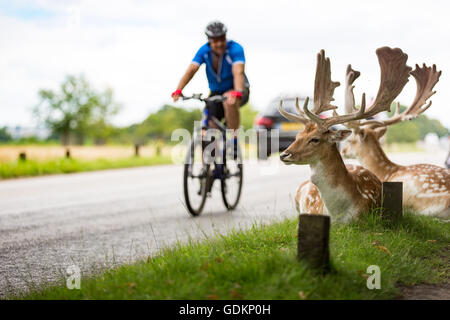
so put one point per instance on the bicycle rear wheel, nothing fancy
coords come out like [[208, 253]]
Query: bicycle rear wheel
[[231, 182], [194, 179]]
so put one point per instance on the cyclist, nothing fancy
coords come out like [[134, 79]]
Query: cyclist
[[225, 62]]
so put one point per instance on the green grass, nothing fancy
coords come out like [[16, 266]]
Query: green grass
[[261, 263], [15, 169]]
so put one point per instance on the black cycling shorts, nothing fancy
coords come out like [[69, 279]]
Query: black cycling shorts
[[216, 108]]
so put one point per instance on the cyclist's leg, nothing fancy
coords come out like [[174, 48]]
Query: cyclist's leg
[[215, 109], [232, 115]]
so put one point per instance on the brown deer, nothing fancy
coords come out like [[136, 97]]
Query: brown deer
[[426, 187], [349, 191]]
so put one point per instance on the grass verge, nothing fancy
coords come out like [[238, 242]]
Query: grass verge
[[261, 263], [15, 169]]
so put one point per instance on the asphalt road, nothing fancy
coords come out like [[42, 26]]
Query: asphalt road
[[100, 219]]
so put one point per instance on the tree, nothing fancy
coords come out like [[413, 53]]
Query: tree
[[414, 130], [162, 123], [76, 110], [4, 135], [403, 132]]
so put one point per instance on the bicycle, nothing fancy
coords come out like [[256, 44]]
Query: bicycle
[[200, 173]]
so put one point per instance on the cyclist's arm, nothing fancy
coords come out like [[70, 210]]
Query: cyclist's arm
[[238, 76], [191, 70]]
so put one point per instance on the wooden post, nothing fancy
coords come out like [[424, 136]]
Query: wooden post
[[68, 153], [313, 240], [392, 200], [22, 156], [136, 149], [158, 147]]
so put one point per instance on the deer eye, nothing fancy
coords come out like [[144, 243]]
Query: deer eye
[[314, 140]]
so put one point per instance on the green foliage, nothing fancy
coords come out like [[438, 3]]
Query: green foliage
[[261, 263], [414, 130], [427, 125], [403, 132], [76, 111], [4, 135], [161, 124], [248, 114], [32, 141]]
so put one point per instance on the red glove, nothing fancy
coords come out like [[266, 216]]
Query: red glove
[[176, 93], [236, 94]]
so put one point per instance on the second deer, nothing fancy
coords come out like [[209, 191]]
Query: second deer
[[426, 187]]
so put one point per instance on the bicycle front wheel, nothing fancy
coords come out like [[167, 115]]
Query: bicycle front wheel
[[231, 182], [194, 179]]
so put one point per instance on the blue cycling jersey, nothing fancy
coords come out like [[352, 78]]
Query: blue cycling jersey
[[221, 81]]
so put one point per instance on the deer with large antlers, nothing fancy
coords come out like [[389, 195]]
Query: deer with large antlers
[[426, 188], [348, 191]]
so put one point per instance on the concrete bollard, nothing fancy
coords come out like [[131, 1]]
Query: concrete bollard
[[22, 156], [313, 240], [392, 201]]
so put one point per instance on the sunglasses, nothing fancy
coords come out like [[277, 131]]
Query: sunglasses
[[217, 39]]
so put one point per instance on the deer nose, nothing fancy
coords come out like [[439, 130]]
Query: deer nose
[[284, 155]]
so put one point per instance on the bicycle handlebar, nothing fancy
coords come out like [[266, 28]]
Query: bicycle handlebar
[[198, 96]]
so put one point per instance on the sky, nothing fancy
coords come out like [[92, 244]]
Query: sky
[[142, 48]]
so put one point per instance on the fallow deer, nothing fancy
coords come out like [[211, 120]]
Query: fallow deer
[[426, 187], [349, 191]]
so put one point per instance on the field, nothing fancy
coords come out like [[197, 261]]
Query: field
[[9, 153], [51, 159], [261, 263]]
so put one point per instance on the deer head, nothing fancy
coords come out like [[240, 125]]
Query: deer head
[[317, 140], [311, 144]]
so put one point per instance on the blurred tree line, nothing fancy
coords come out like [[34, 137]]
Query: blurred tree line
[[161, 124], [77, 113], [4, 135], [414, 130]]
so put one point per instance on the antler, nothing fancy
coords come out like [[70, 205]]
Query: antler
[[426, 79], [350, 77], [297, 118], [323, 85], [394, 76]]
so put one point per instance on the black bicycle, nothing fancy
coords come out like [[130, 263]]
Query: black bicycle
[[203, 165]]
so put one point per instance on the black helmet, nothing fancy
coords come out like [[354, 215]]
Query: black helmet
[[215, 29]]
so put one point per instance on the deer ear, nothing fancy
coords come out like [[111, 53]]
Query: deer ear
[[380, 132], [339, 135]]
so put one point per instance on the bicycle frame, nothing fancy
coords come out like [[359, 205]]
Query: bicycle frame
[[206, 117]]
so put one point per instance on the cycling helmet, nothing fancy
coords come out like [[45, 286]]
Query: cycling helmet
[[215, 29]]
